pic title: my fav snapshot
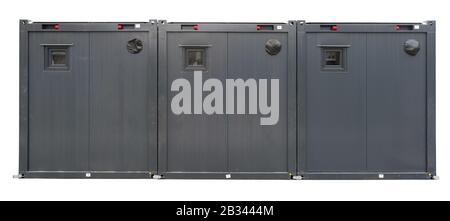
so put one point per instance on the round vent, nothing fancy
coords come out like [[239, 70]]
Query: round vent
[[412, 47], [135, 46], [273, 46]]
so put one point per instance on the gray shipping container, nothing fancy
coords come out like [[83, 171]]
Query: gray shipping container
[[288, 100]]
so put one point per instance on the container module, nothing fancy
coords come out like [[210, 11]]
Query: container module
[[294, 100]]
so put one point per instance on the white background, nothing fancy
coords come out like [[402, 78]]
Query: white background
[[224, 10]]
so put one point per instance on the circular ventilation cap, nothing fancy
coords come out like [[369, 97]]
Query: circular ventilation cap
[[412, 47], [273, 46], [135, 46]]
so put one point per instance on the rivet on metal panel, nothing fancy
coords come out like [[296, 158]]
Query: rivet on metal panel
[[228, 176], [88, 174]]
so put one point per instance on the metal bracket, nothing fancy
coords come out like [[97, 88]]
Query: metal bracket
[[297, 177], [157, 177], [333, 46], [25, 21], [70, 44], [194, 46], [18, 176], [428, 22]]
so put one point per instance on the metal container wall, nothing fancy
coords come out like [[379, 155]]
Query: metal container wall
[[201, 145], [289, 100], [91, 112], [371, 113]]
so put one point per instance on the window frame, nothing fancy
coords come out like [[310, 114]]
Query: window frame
[[49, 53], [203, 50], [341, 67]]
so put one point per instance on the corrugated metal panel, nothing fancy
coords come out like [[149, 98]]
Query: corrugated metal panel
[[352, 104]]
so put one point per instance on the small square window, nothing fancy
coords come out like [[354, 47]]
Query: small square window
[[195, 58], [333, 59], [57, 58]]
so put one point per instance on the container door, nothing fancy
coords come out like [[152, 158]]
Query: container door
[[58, 101], [396, 102], [255, 145], [121, 84], [227, 109], [335, 102], [196, 141], [366, 102]]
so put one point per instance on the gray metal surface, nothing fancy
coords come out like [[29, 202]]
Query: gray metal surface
[[396, 104], [58, 105], [108, 113], [335, 108], [252, 147], [119, 103], [196, 143], [201, 145], [377, 116], [96, 117]]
